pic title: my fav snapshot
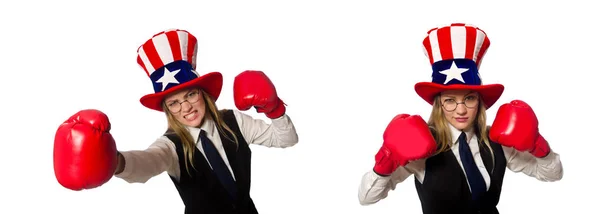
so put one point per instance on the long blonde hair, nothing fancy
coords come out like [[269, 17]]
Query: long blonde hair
[[442, 133], [187, 141]]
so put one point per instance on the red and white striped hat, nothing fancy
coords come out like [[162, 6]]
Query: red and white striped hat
[[455, 53], [169, 60]]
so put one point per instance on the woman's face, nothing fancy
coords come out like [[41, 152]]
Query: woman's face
[[187, 106], [460, 107]]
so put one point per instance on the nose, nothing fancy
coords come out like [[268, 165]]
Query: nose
[[186, 106], [461, 109]]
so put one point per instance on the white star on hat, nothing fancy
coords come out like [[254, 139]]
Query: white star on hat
[[454, 72], [168, 77]]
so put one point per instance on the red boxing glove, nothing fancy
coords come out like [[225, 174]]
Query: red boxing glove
[[406, 138], [254, 88], [516, 126], [85, 153]]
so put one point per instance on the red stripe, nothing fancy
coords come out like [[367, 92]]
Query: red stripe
[[152, 55], [432, 29], [141, 63], [445, 43], [191, 45], [175, 46], [484, 47], [457, 24], [427, 45], [158, 34], [480, 30], [470, 43]]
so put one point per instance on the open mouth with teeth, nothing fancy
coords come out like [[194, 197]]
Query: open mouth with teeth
[[191, 116]]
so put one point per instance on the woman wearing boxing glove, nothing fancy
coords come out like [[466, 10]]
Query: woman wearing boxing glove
[[458, 161], [205, 151]]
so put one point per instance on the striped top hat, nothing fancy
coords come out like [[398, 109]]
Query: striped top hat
[[455, 53], [169, 60]]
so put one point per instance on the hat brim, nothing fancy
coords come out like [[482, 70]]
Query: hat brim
[[210, 83], [489, 93]]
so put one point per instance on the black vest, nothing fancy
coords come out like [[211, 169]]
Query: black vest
[[201, 190], [445, 188]]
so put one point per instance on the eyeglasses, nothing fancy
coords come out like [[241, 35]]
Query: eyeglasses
[[192, 97], [451, 104]]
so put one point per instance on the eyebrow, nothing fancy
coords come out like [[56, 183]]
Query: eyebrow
[[186, 93], [472, 93], [171, 100]]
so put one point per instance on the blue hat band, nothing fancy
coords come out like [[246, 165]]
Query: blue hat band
[[171, 75], [455, 71]]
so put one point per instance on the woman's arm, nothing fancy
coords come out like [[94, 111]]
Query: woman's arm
[[138, 166], [374, 187], [548, 168], [280, 133]]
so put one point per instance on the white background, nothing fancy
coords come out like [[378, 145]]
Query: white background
[[344, 69]]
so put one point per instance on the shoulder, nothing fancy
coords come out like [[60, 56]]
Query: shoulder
[[233, 118], [434, 134], [230, 113], [432, 130], [487, 132], [234, 115], [170, 138], [226, 111], [496, 147], [166, 138]]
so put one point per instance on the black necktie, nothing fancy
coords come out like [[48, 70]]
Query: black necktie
[[218, 165], [473, 174]]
